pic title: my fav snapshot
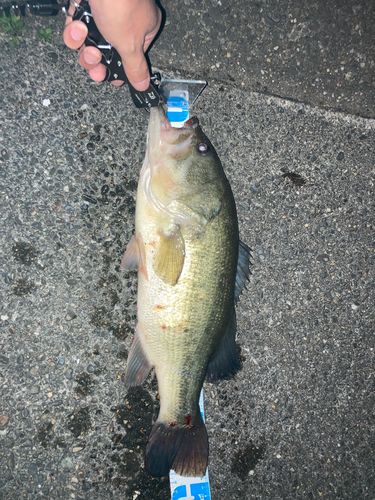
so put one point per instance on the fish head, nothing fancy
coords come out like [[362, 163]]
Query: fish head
[[183, 156]]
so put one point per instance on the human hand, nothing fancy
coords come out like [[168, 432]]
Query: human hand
[[129, 25]]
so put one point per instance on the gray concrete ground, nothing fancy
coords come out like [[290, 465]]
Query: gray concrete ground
[[298, 419], [317, 52]]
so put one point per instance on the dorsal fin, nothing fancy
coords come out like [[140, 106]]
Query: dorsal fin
[[224, 364], [243, 269]]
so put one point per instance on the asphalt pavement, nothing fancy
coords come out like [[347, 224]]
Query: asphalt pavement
[[298, 419]]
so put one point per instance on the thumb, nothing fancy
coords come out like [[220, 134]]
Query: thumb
[[136, 69]]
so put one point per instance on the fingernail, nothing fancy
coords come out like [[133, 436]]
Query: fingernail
[[90, 57], [78, 32]]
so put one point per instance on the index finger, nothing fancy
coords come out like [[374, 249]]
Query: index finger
[[75, 34], [71, 10]]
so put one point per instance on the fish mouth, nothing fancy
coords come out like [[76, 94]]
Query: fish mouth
[[165, 138], [159, 120]]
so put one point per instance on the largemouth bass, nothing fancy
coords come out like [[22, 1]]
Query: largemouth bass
[[191, 270]]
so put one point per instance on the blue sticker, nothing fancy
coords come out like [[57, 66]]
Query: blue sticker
[[178, 109], [179, 493], [198, 491]]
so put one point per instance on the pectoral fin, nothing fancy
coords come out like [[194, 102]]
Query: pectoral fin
[[169, 256], [138, 366], [130, 259], [134, 256]]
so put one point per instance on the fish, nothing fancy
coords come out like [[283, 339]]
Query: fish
[[192, 268]]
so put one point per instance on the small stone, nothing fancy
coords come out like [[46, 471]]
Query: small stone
[[70, 315], [11, 461], [53, 56], [53, 421], [34, 389], [33, 469], [76, 449], [354, 307], [7, 442], [323, 257], [24, 413], [74, 480], [67, 463], [4, 420], [50, 394], [57, 402], [90, 199], [3, 359]]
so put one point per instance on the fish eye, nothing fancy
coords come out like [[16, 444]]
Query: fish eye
[[202, 147]]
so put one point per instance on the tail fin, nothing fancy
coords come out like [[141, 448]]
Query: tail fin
[[181, 448]]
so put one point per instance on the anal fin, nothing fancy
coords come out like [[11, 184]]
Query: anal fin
[[138, 366], [224, 364]]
